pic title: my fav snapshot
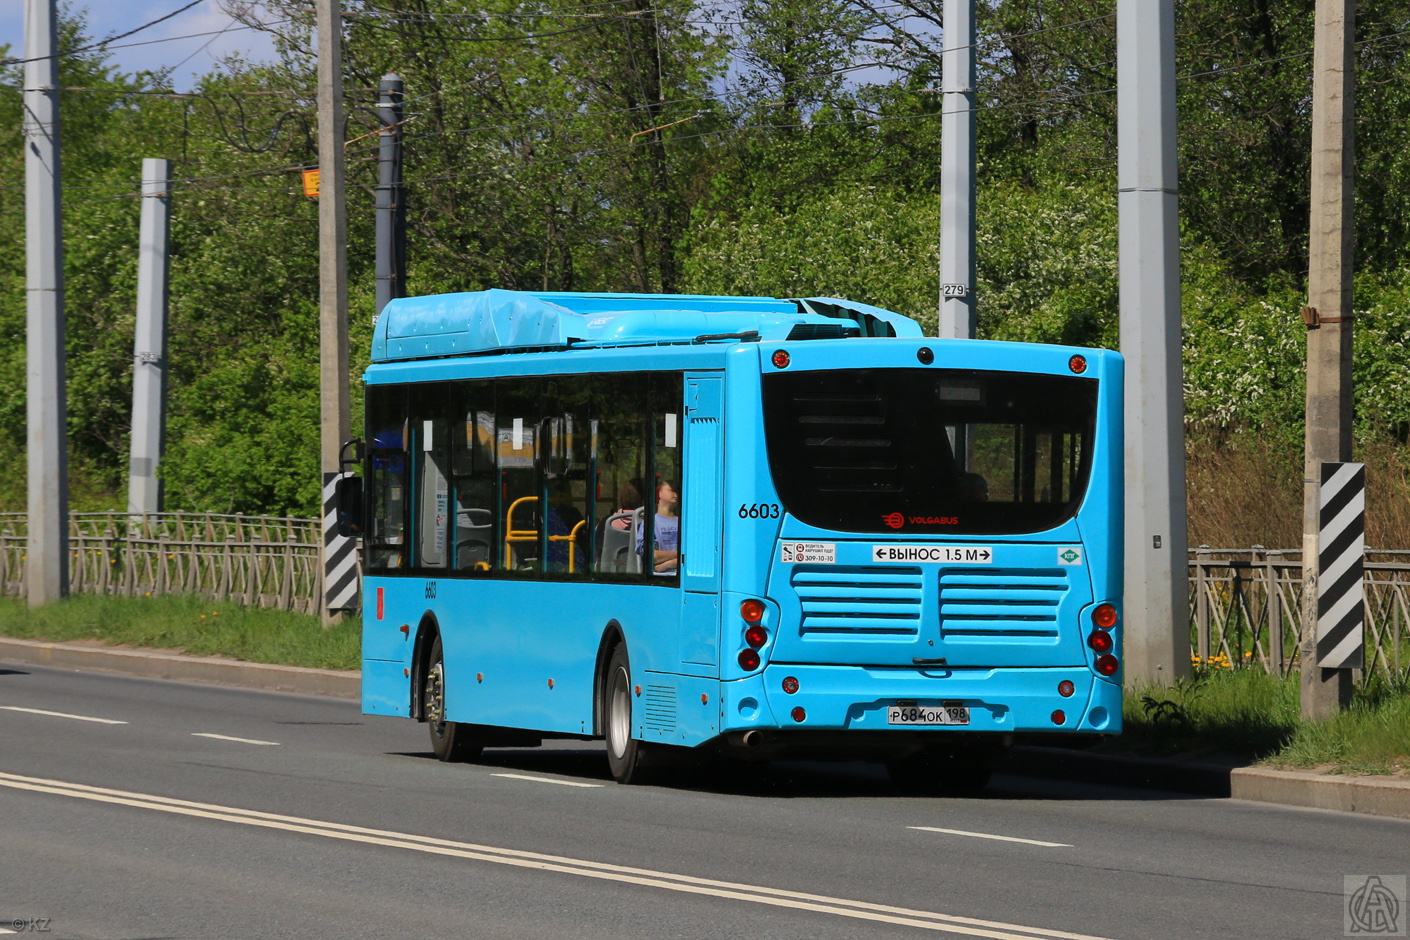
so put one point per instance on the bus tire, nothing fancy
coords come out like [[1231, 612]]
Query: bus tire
[[451, 740], [624, 753]]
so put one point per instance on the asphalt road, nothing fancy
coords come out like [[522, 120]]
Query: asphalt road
[[203, 812]]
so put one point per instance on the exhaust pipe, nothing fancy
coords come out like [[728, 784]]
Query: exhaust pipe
[[752, 738]]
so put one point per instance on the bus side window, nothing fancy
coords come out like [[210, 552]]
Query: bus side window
[[621, 472], [668, 499], [473, 477], [388, 432], [518, 412]]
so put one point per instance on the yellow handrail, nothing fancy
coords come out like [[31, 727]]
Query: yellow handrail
[[512, 534], [516, 535]]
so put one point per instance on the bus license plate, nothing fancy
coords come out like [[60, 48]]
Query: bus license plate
[[950, 713]]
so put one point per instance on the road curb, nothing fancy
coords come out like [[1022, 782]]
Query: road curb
[[1371, 795], [1374, 796], [209, 669]]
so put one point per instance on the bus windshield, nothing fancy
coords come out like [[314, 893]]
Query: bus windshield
[[930, 451]]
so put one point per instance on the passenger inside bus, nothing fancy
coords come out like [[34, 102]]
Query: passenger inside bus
[[667, 529]]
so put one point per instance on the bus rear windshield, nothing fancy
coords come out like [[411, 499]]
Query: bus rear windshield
[[930, 451]]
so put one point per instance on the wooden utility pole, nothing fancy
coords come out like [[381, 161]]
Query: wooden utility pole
[[336, 408], [1328, 317]]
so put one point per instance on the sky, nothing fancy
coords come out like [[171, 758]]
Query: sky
[[191, 56]]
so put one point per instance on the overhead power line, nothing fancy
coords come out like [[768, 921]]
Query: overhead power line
[[104, 42]]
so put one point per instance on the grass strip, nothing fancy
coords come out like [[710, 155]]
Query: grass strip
[[1249, 715], [192, 625]]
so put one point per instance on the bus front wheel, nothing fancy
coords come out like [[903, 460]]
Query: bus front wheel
[[451, 740], [624, 753]]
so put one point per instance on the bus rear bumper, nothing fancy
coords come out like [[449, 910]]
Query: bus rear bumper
[[857, 698]]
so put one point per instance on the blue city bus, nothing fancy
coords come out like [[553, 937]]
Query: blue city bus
[[735, 526]]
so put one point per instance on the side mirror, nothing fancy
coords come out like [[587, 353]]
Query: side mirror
[[349, 506]]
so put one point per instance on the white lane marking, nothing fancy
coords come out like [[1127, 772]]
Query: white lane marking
[[561, 783], [688, 884], [226, 737], [3, 930], [987, 835], [40, 711]]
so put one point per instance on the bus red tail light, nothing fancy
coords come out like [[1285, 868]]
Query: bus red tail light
[[756, 636], [790, 685], [1100, 641], [1107, 664], [752, 611], [1066, 688], [748, 660], [1104, 616]]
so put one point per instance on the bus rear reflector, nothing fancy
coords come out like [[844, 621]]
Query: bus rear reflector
[[748, 660], [1107, 665], [799, 714], [1059, 717]]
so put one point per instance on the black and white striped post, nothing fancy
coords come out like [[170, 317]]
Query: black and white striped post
[[340, 583], [1341, 547]]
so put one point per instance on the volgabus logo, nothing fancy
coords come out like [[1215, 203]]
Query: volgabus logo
[[895, 520]]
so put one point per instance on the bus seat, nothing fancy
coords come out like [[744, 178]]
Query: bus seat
[[474, 537], [618, 548]]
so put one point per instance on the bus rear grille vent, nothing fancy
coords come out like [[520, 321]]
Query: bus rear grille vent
[[1001, 603], [856, 602], [822, 331], [659, 708]]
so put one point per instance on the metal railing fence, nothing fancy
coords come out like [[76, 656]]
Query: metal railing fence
[[1246, 608], [262, 561]]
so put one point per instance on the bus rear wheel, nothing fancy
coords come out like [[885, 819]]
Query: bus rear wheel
[[451, 740], [624, 753]]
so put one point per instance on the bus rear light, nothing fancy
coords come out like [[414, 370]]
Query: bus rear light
[[1066, 688], [752, 611], [756, 636], [1100, 641], [799, 714], [1077, 364], [1107, 665], [1059, 717], [748, 660], [790, 685], [780, 359], [1104, 617]]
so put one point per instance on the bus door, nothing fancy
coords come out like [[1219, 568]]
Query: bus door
[[702, 524]]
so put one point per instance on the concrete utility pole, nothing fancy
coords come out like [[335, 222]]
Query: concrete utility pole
[[336, 423], [1328, 317], [47, 553], [144, 487], [391, 205], [1157, 636], [957, 310]]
